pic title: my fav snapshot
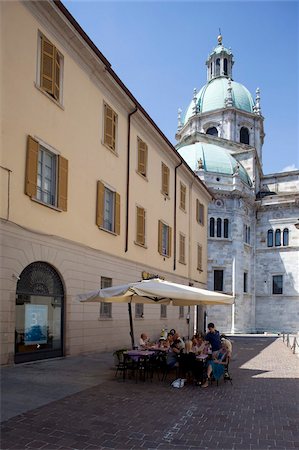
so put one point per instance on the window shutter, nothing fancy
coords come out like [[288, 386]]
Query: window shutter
[[109, 127], [165, 179], [117, 214], [100, 204], [140, 238], [142, 155], [47, 66], [182, 248], [197, 210], [31, 167], [183, 196], [169, 240], [160, 227], [57, 75], [62, 183], [199, 257]]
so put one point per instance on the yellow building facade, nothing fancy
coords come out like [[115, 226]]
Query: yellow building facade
[[92, 194]]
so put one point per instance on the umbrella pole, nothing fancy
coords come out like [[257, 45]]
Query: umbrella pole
[[131, 324]]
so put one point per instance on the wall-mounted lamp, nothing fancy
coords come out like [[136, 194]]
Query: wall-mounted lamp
[[297, 225], [16, 277]]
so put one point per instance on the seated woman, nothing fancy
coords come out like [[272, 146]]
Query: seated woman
[[198, 344], [217, 365]]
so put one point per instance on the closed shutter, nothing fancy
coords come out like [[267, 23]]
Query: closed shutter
[[183, 196], [62, 183], [142, 157], [109, 127], [57, 76], [100, 204], [31, 167], [117, 214], [199, 257], [169, 241], [160, 228], [47, 66], [165, 179], [140, 238], [182, 248], [197, 210]]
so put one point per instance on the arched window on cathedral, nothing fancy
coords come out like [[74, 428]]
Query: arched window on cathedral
[[277, 238], [270, 238], [212, 227], [285, 237], [225, 228], [213, 131], [244, 135], [225, 66], [217, 67], [211, 69], [219, 227]]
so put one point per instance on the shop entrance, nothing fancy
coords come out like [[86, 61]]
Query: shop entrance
[[39, 313]]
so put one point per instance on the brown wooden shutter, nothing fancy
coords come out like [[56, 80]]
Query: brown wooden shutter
[[160, 227], [183, 196], [199, 257], [182, 248], [169, 241], [197, 210], [47, 66], [57, 75], [165, 179], [62, 183], [142, 157], [100, 204], [31, 167], [117, 214], [140, 237], [109, 127]]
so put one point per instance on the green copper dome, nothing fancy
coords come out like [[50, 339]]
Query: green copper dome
[[214, 159], [212, 96]]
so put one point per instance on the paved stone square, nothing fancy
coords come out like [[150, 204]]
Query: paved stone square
[[259, 411]]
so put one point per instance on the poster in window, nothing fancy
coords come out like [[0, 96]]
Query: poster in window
[[36, 322]]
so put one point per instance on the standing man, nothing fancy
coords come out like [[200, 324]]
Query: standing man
[[213, 337]]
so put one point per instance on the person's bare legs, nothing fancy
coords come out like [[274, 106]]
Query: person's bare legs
[[209, 371]]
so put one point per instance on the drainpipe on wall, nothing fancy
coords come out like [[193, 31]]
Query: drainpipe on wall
[[174, 219], [128, 177], [8, 190]]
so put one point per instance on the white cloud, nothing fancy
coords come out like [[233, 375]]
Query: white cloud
[[288, 168]]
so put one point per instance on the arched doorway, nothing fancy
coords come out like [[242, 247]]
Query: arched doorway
[[39, 313]]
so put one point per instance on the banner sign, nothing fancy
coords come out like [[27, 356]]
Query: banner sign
[[36, 324]]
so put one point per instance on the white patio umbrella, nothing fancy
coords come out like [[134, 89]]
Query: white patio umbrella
[[156, 291]]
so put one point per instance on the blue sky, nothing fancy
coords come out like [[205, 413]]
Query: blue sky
[[159, 49]]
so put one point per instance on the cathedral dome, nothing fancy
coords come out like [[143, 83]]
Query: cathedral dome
[[213, 96], [214, 159]]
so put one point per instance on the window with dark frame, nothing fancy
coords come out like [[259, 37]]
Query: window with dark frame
[[139, 311], [277, 238], [277, 284], [219, 227], [218, 280], [106, 308], [244, 135], [285, 237], [181, 312], [245, 281], [163, 311], [212, 227], [270, 238], [225, 228]]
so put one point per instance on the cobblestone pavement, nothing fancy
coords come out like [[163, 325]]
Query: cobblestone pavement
[[259, 411]]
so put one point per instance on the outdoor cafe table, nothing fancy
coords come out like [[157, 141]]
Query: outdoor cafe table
[[137, 356]]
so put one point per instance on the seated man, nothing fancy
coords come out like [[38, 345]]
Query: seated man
[[144, 341]]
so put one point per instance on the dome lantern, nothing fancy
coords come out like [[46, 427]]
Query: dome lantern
[[220, 61]]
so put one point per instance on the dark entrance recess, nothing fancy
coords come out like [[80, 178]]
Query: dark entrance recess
[[39, 314]]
